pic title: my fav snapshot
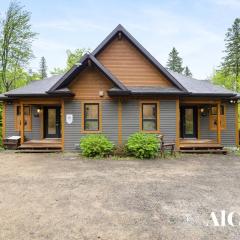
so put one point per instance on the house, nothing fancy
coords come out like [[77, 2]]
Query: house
[[119, 89]]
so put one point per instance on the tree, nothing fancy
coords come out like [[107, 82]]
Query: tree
[[72, 58], [58, 71], [230, 66], [15, 44], [187, 72], [174, 62], [43, 68]]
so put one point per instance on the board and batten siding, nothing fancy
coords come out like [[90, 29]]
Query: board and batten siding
[[10, 124], [73, 132]]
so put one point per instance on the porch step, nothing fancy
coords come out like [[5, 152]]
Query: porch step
[[215, 151], [201, 146], [38, 151]]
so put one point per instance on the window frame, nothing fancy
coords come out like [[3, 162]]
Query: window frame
[[157, 119], [213, 118], [83, 129], [29, 117]]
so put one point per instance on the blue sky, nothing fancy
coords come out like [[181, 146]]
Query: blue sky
[[196, 28]]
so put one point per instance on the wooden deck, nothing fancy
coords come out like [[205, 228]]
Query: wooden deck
[[43, 145], [201, 146]]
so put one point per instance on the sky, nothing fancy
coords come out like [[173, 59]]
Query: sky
[[196, 28]]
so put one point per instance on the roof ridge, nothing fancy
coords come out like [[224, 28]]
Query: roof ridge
[[143, 50]]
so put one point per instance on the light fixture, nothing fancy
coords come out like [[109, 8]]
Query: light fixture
[[39, 110], [202, 110], [101, 93]]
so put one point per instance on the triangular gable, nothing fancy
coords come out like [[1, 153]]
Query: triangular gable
[[72, 73], [76, 69], [120, 29]]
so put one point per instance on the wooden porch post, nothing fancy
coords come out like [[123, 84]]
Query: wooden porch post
[[22, 123], [177, 123], [62, 122], [219, 122], [3, 120], [236, 123]]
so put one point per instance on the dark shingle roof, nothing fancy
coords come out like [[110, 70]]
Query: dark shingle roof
[[37, 87], [196, 86]]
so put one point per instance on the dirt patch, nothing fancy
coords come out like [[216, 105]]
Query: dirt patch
[[61, 196]]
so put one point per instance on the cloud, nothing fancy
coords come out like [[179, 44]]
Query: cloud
[[70, 25], [228, 3]]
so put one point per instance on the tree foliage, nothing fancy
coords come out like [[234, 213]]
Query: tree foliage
[[43, 68], [174, 62], [228, 75], [72, 58], [187, 72], [16, 39]]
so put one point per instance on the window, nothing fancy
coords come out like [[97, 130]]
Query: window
[[149, 117], [213, 118], [91, 117], [27, 118]]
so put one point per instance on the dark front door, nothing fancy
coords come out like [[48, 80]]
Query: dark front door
[[188, 121], [52, 122]]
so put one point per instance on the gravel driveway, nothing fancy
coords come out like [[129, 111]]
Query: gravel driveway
[[56, 196]]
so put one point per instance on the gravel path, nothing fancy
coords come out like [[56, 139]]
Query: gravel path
[[61, 196]]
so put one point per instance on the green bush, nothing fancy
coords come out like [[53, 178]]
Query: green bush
[[96, 145], [143, 145]]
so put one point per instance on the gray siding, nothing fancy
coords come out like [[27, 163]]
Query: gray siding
[[73, 132], [130, 118], [168, 120], [10, 121], [229, 135], [205, 132], [110, 120], [10, 124]]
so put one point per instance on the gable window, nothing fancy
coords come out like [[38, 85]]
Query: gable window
[[149, 117], [213, 118], [91, 117], [27, 118]]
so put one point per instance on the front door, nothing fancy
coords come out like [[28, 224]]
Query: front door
[[188, 121], [52, 122]]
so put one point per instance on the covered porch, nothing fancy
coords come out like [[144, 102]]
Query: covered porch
[[42, 130], [202, 123]]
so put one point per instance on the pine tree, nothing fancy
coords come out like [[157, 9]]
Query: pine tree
[[187, 72], [43, 68], [231, 62], [174, 62]]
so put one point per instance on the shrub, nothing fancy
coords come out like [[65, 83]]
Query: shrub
[[143, 145], [96, 145]]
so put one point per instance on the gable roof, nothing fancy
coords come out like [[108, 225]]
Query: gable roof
[[57, 85], [69, 76]]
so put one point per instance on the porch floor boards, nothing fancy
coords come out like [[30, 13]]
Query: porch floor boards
[[43, 144]]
